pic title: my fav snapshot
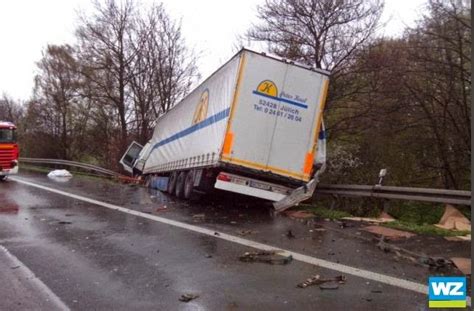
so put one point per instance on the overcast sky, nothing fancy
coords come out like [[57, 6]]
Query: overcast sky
[[209, 26]]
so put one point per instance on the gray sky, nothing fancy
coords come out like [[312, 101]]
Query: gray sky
[[209, 26]]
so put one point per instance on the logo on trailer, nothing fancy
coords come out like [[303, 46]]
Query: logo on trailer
[[269, 90], [201, 109], [447, 292], [267, 87]]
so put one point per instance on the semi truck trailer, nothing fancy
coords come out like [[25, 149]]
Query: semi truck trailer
[[254, 127]]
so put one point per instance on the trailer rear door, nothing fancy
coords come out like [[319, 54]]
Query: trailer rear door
[[274, 117]]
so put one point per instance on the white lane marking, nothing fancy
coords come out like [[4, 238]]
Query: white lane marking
[[378, 277], [37, 283]]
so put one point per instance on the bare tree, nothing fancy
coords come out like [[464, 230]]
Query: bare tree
[[163, 71], [56, 87], [106, 55], [320, 33]]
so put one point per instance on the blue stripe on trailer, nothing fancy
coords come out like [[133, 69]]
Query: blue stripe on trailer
[[196, 127], [280, 99]]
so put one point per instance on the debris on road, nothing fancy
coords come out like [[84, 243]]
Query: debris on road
[[290, 235], [15, 267], [317, 280], [299, 214], [188, 297], [245, 232], [64, 222], [453, 219], [388, 232], [463, 264], [436, 263], [271, 257], [199, 217], [161, 209]]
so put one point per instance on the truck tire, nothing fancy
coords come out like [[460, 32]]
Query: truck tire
[[189, 185], [172, 183], [179, 191]]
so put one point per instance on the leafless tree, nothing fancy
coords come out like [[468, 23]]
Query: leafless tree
[[320, 33], [106, 53], [163, 71]]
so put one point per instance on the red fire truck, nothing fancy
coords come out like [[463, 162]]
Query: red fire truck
[[9, 150]]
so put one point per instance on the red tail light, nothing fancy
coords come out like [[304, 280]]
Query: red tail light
[[223, 177]]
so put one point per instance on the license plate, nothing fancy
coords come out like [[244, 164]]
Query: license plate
[[259, 185]]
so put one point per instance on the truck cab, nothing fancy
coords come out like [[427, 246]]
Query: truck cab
[[9, 151]]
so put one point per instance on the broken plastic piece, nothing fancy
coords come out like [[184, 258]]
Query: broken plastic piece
[[271, 257]]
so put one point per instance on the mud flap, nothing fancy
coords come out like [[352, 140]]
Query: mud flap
[[299, 194]]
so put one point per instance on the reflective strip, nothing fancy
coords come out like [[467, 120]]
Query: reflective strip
[[272, 169], [308, 163], [229, 139], [319, 118]]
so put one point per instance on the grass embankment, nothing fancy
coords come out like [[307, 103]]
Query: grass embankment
[[410, 216]]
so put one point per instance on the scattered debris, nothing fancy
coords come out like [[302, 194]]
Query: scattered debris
[[60, 174], [437, 263], [299, 214], [208, 256], [344, 225], [453, 220], [64, 222], [383, 217], [271, 257], [317, 280], [199, 217], [216, 233], [188, 297], [69, 215], [15, 267], [245, 232], [463, 264], [388, 232], [290, 235], [161, 208], [233, 222], [376, 291]]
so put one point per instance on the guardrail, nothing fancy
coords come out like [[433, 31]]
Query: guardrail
[[85, 166], [457, 197]]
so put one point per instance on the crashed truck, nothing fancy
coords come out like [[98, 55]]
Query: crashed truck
[[254, 127]]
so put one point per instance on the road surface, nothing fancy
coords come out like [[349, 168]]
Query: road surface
[[88, 244]]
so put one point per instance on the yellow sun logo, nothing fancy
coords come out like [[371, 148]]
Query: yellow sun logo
[[268, 87], [201, 109]]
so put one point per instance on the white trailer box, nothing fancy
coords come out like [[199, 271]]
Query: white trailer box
[[256, 115]]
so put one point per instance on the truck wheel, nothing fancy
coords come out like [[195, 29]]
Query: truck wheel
[[189, 185], [180, 185], [172, 183]]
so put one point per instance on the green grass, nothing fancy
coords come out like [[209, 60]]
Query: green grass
[[418, 213], [324, 212], [426, 229]]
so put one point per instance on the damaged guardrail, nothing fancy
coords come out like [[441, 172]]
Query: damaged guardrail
[[456, 197], [84, 166]]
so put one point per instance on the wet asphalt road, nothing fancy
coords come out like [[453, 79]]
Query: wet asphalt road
[[94, 258]]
